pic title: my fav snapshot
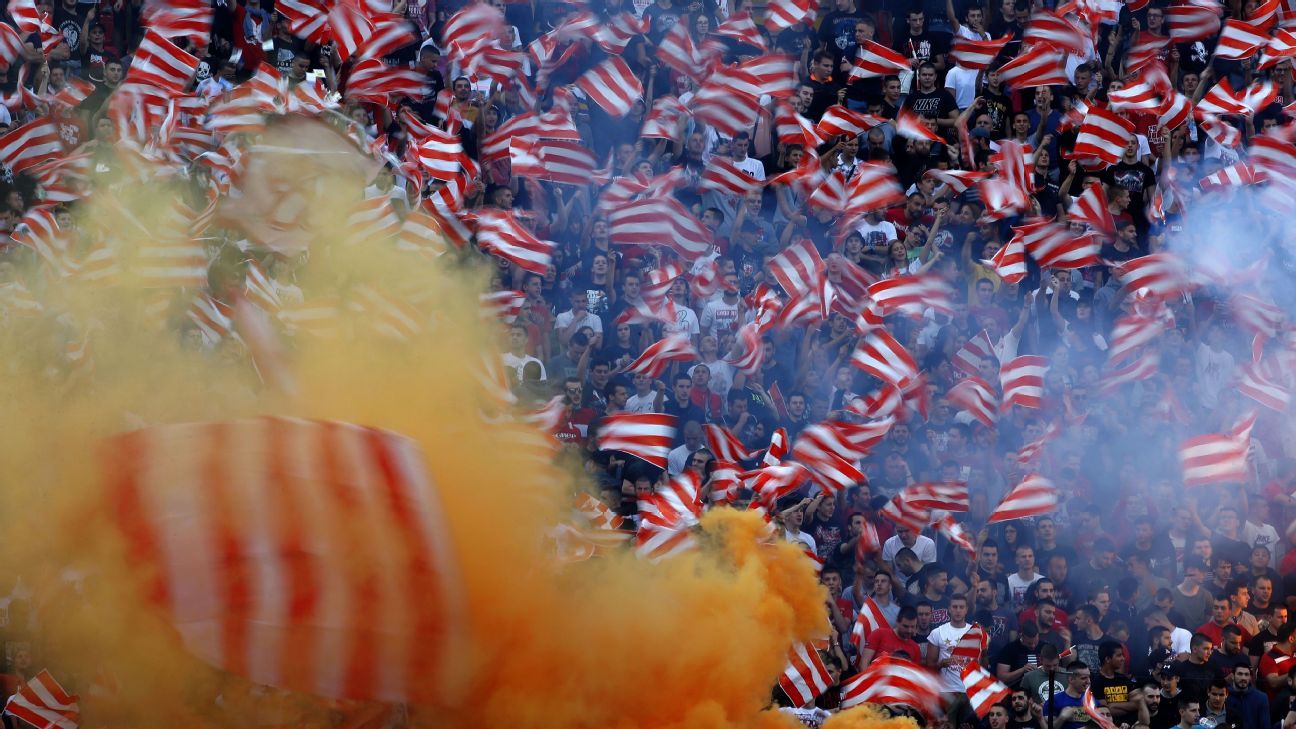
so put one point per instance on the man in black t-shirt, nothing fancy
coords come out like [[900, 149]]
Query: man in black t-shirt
[[1136, 177], [920, 44], [1120, 693], [930, 101], [837, 30]]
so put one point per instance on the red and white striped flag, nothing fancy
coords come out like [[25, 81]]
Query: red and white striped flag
[[1156, 275], [725, 445], [824, 449], [467, 28], [973, 643], [1010, 261], [649, 436], [251, 582], [783, 14], [944, 495], [1141, 368], [1240, 39], [1047, 27], [910, 295], [911, 126], [1091, 209], [956, 533], [838, 120], [1253, 383], [873, 187], [958, 180], [30, 144], [893, 680], [1091, 708], [723, 175], [44, 704], [1239, 174], [978, 347], [654, 360], [1103, 136], [1190, 23], [1033, 450], [667, 518], [977, 55], [869, 619], [1053, 245], [160, 64], [612, 85], [1034, 496], [983, 691], [1038, 65], [978, 398], [905, 514], [1215, 458], [1223, 133], [1022, 379], [660, 221], [798, 268], [880, 355], [805, 677], [874, 59], [499, 233]]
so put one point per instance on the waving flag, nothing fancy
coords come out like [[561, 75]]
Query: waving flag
[[644, 435], [1091, 708], [1023, 381], [869, 619], [874, 59], [667, 518], [797, 268], [1034, 496], [654, 360], [880, 355], [612, 85], [977, 55], [805, 677], [976, 397], [1038, 65], [43, 703], [983, 691], [892, 680], [1103, 136], [242, 526], [1010, 261]]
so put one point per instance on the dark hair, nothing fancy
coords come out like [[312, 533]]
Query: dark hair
[[1089, 611], [1198, 640], [1107, 649], [908, 612]]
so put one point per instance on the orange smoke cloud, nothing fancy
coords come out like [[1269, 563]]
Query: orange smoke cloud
[[694, 641]]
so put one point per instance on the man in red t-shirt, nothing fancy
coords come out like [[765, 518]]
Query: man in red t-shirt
[[1220, 618], [886, 642]]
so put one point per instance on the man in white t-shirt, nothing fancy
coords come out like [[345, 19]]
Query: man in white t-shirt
[[516, 359], [569, 322], [877, 233], [922, 546], [738, 153], [793, 518], [720, 316], [941, 643], [645, 399], [1021, 580]]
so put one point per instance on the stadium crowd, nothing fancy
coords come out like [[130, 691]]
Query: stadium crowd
[[870, 155]]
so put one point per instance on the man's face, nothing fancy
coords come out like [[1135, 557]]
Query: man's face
[[1242, 598], [1102, 601], [985, 593], [823, 68], [1046, 530], [998, 717], [112, 73], [1080, 680], [1215, 697], [1045, 615], [1232, 644], [1203, 651], [682, 387], [957, 609], [796, 406], [892, 91], [517, 338], [1026, 560], [1190, 714], [1220, 611], [833, 582], [915, 23], [1264, 590], [906, 629], [924, 615], [927, 78], [1242, 678], [1193, 576], [989, 557]]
